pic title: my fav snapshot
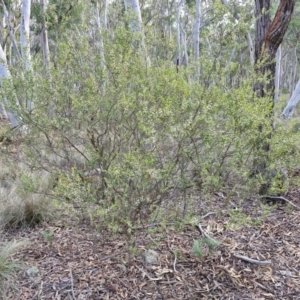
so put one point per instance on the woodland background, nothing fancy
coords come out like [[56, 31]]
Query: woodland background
[[129, 120]]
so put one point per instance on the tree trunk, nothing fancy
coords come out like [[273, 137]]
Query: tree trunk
[[134, 6], [24, 39], [178, 22], [24, 33], [197, 33], [278, 74], [44, 35], [268, 38], [5, 74], [294, 61], [290, 107]]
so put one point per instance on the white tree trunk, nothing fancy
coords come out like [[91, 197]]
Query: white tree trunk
[[250, 47], [185, 52], [134, 6], [178, 34], [170, 24], [277, 74], [105, 14], [24, 33], [294, 61], [290, 107], [197, 30], [5, 74], [44, 36], [24, 39], [99, 40]]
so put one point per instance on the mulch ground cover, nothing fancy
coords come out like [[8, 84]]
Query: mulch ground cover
[[79, 262]]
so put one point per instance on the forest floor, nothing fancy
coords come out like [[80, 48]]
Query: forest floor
[[80, 262]]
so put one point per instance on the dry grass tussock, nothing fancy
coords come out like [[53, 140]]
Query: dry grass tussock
[[23, 196], [9, 266]]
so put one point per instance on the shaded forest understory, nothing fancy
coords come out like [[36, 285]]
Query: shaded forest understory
[[144, 146], [79, 262]]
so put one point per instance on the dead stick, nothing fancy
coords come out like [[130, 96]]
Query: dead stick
[[113, 255], [253, 261], [281, 198], [174, 263], [72, 285], [208, 214], [205, 234], [262, 286]]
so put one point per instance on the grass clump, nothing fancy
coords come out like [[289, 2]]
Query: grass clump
[[200, 245], [21, 202], [8, 266]]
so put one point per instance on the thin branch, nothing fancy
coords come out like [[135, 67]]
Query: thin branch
[[281, 198], [113, 255], [205, 234], [72, 285], [208, 214], [262, 286], [253, 261], [175, 260]]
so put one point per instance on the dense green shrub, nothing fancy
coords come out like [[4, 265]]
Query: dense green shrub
[[119, 133]]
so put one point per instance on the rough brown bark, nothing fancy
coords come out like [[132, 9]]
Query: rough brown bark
[[268, 37]]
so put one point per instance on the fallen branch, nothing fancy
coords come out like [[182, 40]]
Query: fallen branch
[[174, 263], [262, 286], [208, 214], [72, 285], [113, 255], [205, 234], [281, 198], [253, 261]]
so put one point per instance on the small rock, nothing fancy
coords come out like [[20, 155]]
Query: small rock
[[33, 271], [151, 257]]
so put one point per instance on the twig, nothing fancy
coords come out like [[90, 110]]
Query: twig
[[253, 261], [72, 285], [205, 234], [262, 286], [113, 255], [208, 214], [281, 198], [174, 263], [149, 277]]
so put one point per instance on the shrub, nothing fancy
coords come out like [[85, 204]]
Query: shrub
[[119, 134]]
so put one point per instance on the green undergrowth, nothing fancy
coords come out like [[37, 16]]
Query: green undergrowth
[[124, 142]]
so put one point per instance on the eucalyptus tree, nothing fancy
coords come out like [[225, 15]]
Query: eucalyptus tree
[[44, 34], [292, 103], [25, 50], [5, 74], [134, 6], [248, 37], [197, 31], [268, 37]]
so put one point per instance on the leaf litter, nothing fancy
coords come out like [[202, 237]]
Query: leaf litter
[[81, 263]]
